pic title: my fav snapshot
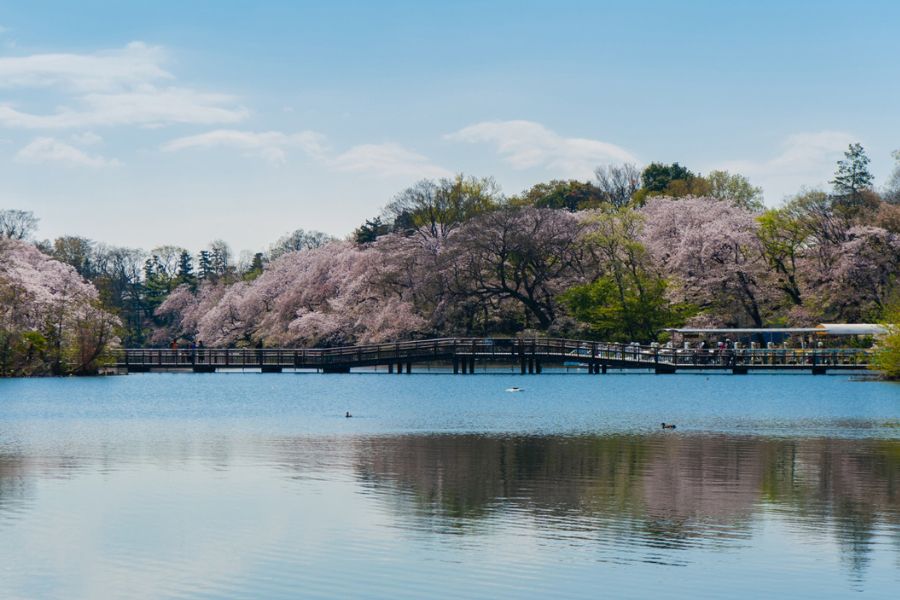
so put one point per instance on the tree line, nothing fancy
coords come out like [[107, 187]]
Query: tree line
[[619, 258]]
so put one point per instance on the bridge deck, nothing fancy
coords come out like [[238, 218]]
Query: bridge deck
[[463, 353]]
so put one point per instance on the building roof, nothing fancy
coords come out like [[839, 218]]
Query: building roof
[[821, 329]]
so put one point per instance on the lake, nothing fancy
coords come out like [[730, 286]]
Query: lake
[[257, 486]]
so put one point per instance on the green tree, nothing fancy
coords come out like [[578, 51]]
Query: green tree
[[736, 189], [887, 357], [628, 301], [852, 176], [256, 267], [568, 195], [656, 177], [205, 265], [434, 208], [185, 273], [784, 236], [370, 230]]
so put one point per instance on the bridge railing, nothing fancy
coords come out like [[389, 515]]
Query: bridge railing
[[561, 349]]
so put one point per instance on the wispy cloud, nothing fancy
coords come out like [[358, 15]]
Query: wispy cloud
[[805, 159], [528, 145], [387, 160], [381, 160], [47, 149], [135, 64], [270, 145], [85, 138], [128, 86]]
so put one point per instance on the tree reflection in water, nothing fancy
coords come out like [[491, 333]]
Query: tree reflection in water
[[658, 492]]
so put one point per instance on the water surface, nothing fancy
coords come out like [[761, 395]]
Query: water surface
[[251, 485]]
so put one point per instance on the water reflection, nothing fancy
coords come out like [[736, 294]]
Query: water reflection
[[662, 492], [235, 513]]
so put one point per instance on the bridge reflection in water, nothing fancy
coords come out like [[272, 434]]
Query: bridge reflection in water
[[464, 354]]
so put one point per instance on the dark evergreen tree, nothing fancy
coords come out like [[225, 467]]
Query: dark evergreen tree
[[205, 265], [852, 177], [370, 230], [657, 176], [185, 273]]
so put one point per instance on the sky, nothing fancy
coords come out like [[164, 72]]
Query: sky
[[140, 124]]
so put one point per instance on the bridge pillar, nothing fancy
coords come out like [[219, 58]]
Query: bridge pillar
[[408, 368], [472, 364], [399, 368], [537, 366], [455, 366], [819, 370], [391, 368], [523, 365], [530, 366], [603, 368]]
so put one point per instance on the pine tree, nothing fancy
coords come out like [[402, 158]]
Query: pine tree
[[205, 264], [852, 177], [185, 273]]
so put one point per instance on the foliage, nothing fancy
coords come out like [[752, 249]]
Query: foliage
[[887, 358], [656, 177], [568, 195], [370, 231], [852, 176], [434, 208], [51, 321], [734, 188], [628, 301]]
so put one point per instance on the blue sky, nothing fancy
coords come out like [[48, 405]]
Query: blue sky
[[179, 122]]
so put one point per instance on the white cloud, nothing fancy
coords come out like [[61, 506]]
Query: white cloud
[[805, 159], [383, 160], [528, 145], [116, 87], [270, 145], [85, 138], [387, 160], [135, 64], [148, 107], [46, 149]]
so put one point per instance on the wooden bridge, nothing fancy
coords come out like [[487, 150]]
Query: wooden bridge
[[531, 356]]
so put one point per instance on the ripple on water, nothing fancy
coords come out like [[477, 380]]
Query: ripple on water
[[207, 487]]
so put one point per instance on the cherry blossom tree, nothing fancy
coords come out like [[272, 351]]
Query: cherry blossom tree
[[714, 250], [51, 320]]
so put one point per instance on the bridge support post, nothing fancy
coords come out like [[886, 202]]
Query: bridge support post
[[408, 368], [530, 366], [537, 366], [603, 368], [819, 370], [390, 368], [455, 366], [399, 368], [472, 364], [523, 367]]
